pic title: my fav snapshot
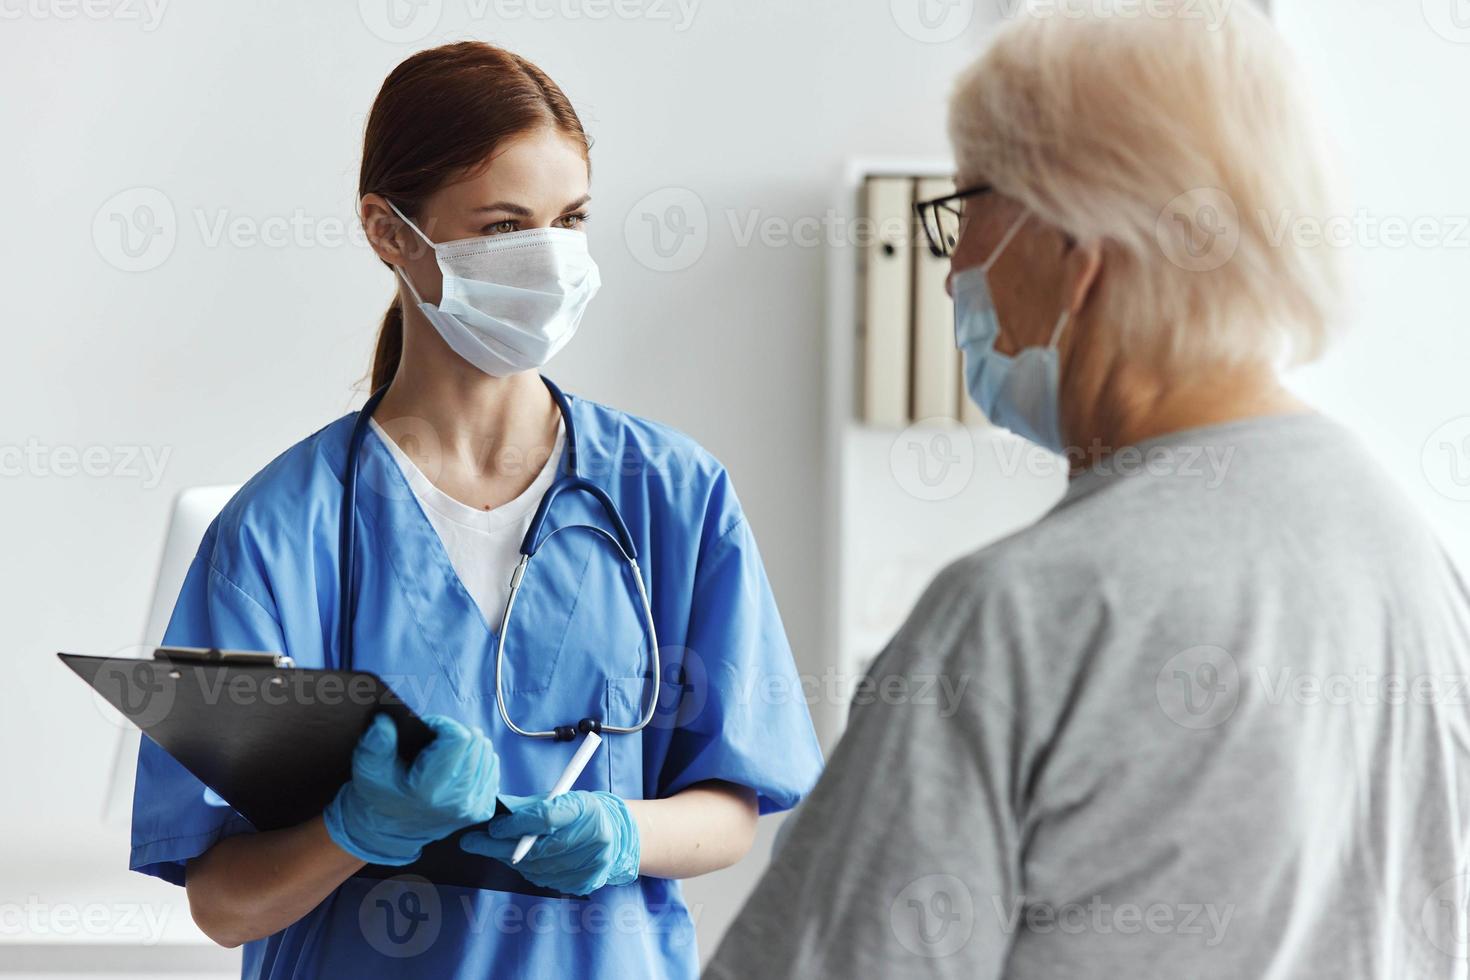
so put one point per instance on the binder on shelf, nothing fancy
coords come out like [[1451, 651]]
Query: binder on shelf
[[886, 300], [936, 372]]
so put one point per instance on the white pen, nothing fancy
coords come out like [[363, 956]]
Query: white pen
[[568, 777]]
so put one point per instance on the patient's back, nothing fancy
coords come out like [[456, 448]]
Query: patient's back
[[1207, 718]]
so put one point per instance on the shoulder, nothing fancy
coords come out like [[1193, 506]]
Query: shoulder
[[639, 457], [1024, 603], [291, 499], [611, 434], [1052, 553]]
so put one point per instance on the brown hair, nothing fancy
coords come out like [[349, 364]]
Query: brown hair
[[438, 117]]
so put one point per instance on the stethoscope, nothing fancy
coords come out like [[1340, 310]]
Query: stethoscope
[[571, 481]]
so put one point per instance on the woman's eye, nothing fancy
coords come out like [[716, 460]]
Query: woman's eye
[[573, 221], [501, 227]]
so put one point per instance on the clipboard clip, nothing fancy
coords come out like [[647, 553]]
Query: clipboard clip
[[238, 658]]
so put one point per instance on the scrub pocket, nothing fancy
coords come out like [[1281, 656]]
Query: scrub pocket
[[624, 755], [628, 756]]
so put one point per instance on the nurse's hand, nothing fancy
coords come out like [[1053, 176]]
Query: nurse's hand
[[585, 840], [390, 810]]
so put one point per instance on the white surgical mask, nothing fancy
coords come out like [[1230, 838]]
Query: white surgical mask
[[509, 302], [1021, 393]]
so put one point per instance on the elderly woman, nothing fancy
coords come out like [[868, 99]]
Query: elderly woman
[[1212, 721]]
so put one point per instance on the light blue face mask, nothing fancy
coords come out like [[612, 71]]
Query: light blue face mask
[[1021, 393]]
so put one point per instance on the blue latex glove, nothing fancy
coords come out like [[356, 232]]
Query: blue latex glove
[[389, 810], [586, 840]]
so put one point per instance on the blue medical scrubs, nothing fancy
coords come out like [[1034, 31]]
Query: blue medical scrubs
[[266, 578]]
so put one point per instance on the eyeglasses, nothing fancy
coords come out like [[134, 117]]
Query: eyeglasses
[[941, 218]]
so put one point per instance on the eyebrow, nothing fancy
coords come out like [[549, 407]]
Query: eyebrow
[[521, 211]]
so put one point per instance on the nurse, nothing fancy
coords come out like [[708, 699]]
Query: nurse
[[474, 191]]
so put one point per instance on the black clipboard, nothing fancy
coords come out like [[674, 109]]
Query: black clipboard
[[275, 741]]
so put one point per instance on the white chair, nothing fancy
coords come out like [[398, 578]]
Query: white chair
[[194, 509]]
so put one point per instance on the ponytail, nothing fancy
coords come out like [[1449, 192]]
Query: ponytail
[[390, 346]]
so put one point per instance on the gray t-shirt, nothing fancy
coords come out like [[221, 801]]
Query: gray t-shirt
[[1206, 719]]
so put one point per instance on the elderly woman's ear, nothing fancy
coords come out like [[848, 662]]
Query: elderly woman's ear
[[1083, 264]]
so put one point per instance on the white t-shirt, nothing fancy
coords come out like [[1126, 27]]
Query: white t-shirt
[[483, 545]]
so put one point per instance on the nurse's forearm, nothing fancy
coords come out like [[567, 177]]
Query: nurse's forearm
[[705, 828], [253, 885]]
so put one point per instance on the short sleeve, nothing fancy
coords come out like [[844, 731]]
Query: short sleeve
[[175, 817], [747, 720]]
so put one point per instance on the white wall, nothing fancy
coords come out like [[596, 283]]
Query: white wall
[[220, 355], [1392, 79]]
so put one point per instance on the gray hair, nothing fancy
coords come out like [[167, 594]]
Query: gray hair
[[1183, 146]]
